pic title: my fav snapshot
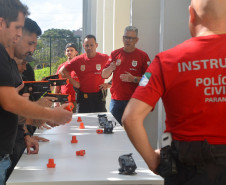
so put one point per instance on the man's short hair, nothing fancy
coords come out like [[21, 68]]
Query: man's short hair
[[32, 27], [72, 45], [9, 10], [90, 37], [131, 28]]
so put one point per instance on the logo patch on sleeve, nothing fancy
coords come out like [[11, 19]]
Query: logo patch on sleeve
[[145, 79]]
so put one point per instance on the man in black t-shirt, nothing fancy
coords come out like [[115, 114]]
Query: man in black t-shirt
[[12, 16], [25, 45], [8, 76]]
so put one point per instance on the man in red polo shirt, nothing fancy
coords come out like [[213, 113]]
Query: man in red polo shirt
[[88, 68], [191, 79], [71, 52], [127, 64]]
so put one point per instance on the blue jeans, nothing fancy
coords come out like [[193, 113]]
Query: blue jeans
[[4, 165], [117, 108]]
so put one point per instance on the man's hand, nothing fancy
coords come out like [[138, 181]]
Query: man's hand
[[65, 74], [44, 126], [35, 122], [155, 162], [112, 66], [40, 139], [108, 71], [61, 115], [20, 87], [32, 145], [46, 101], [56, 104], [51, 124], [127, 77], [105, 86]]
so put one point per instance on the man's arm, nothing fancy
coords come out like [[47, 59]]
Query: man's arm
[[65, 74], [30, 143], [11, 101], [107, 71], [132, 120], [127, 77], [105, 86]]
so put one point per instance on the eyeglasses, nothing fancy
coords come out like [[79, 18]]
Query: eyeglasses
[[129, 38]]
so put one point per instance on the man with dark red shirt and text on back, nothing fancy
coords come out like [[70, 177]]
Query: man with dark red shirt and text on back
[[190, 78]]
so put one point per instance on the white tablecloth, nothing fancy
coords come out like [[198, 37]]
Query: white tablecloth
[[98, 166]]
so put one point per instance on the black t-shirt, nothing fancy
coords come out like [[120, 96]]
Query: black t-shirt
[[28, 74], [9, 76]]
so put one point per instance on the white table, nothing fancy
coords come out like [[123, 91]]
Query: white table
[[98, 166]]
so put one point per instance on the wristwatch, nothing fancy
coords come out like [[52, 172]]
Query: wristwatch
[[135, 80]]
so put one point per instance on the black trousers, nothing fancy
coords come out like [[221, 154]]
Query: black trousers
[[198, 163], [91, 102]]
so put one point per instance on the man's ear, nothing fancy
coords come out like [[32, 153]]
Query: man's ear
[[96, 45], [192, 14], [137, 40], [1, 22]]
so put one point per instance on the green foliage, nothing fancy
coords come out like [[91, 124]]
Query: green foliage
[[51, 46], [56, 65], [57, 33], [41, 73], [32, 64], [42, 52]]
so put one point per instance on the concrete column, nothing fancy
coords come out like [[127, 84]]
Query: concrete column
[[89, 17], [108, 26], [146, 17], [100, 25], [121, 20]]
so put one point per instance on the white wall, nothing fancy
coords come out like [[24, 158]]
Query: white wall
[[100, 24], [176, 18], [108, 26], [121, 20], [146, 17]]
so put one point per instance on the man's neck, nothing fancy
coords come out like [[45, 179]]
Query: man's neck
[[90, 56], [129, 51], [3, 43], [10, 51], [210, 32]]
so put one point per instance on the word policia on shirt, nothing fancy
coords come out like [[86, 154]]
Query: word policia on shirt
[[214, 87]]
